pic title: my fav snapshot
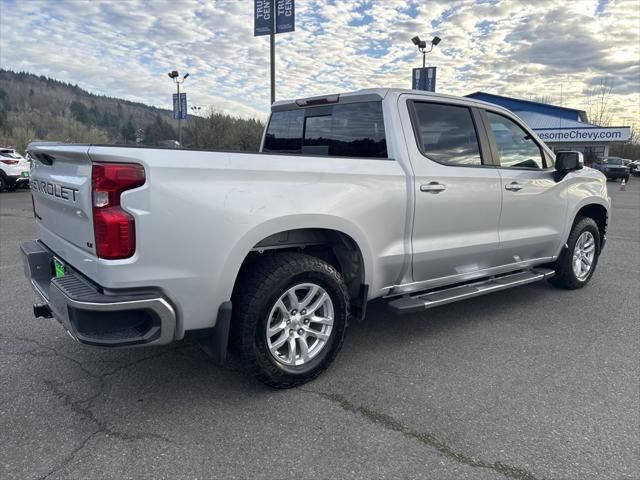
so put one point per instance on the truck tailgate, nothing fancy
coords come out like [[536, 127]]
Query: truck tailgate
[[62, 196]]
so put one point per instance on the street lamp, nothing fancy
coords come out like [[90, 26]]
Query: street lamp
[[422, 46], [175, 76]]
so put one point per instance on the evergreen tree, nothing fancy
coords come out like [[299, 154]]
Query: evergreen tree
[[3, 118], [128, 132], [158, 131], [80, 112]]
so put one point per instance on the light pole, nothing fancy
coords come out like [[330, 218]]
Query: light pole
[[422, 46], [175, 76], [196, 125]]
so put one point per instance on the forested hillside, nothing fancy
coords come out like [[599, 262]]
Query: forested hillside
[[35, 107]]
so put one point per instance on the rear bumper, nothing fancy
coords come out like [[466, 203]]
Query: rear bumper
[[126, 319], [16, 180]]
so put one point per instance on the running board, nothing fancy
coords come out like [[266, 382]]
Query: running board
[[423, 301]]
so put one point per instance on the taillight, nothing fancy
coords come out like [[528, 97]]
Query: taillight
[[114, 228], [10, 162]]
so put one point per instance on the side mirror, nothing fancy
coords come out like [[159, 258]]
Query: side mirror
[[569, 161]]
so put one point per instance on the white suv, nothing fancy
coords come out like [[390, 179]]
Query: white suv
[[14, 170]]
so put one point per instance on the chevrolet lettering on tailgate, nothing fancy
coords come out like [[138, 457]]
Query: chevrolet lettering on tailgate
[[54, 189]]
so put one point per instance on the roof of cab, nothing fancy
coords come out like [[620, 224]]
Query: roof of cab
[[372, 94]]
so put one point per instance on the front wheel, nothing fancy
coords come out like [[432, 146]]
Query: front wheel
[[290, 318], [577, 263]]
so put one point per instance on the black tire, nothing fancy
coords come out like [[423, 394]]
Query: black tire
[[565, 276], [257, 291], [626, 179], [3, 184]]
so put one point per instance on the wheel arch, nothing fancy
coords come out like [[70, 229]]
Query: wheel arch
[[330, 238], [599, 213]]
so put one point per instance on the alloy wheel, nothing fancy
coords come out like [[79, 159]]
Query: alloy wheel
[[300, 324], [583, 255]]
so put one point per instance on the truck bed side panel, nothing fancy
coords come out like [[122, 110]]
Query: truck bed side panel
[[200, 213]]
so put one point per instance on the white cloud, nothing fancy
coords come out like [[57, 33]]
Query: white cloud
[[516, 47]]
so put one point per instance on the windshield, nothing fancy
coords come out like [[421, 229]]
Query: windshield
[[613, 161]]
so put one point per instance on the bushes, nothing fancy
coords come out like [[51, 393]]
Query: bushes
[[224, 132]]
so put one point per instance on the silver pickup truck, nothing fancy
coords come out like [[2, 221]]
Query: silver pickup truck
[[418, 198]]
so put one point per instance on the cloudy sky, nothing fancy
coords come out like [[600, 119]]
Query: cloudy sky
[[124, 48]]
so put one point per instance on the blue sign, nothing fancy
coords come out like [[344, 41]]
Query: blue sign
[[180, 110], [262, 17], [264, 12], [285, 16], [424, 79]]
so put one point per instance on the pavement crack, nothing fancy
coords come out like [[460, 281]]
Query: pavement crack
[[425, 438], [53, 352], [70, 457], [84, 407]]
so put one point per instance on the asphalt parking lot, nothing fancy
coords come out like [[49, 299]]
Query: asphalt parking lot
[[532, 383]]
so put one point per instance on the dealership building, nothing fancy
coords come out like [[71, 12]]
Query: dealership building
[[562, 128]]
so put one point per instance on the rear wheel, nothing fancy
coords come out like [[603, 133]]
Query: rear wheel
[[577, 263], [3, 184], [290, 318]]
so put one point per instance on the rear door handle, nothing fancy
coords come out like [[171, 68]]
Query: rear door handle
[[513, 186], [433, 187]]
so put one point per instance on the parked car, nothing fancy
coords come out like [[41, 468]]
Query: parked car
[[14, 170], [417, 198], [613, 168], [634, 168]]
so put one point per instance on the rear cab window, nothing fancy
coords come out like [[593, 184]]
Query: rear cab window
[[344, 130]]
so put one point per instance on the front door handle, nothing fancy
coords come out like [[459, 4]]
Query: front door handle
[[433, 187], [513, 186]]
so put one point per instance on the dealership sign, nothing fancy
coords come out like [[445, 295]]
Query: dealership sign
[[584, 134], [262, 17], [273, 16], [285, 16], [180, 107], [424, 79]]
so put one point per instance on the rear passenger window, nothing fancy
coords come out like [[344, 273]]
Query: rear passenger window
[[346, 130], [446, 134]]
